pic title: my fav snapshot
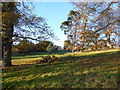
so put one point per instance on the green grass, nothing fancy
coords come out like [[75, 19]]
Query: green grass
[[37, 55], [78, 70]]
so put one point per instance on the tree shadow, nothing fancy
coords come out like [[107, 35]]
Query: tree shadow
[[38, 54], [62, 80], [69, 64], [83, 60]]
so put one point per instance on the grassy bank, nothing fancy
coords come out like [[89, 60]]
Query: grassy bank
[[71, 70]]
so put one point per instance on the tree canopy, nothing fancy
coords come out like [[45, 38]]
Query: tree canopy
[[92, 23]]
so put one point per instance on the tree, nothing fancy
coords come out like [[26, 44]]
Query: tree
[[67, 45], [70, 27], [19, 21], [51, 48], [25, 46], [42, 46], [8, 11], [87, 23]]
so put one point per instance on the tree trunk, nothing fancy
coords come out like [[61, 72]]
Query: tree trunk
[[108, 39], [7, 47], [73, 50], [96, 46]]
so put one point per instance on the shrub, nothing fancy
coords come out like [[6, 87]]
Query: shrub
[[48, 59]]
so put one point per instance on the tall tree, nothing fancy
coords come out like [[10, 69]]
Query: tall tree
[[70, 27], [19, 21], [8, 12], [67, 45], [93, 19]]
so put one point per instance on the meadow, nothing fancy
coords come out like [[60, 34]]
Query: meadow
[[97, 69]]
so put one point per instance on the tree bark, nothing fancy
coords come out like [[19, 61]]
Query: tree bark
[[7, 47]]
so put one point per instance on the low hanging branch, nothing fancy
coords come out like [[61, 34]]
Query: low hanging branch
[[26, 37]]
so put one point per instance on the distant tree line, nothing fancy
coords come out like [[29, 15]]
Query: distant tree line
[[26, 46]]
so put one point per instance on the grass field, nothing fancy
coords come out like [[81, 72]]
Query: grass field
[[98, 69]]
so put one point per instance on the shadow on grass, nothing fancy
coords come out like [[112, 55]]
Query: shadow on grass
[[45, 53], [65, 80], [72, 57], [69, 66], [37, 54]]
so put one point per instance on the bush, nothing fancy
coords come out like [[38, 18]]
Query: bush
[[48, 59]]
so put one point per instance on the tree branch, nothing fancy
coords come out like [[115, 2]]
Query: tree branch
[[92, 35], [104, 11], [26, 37]]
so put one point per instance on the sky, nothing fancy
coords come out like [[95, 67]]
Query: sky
[[54, 13]]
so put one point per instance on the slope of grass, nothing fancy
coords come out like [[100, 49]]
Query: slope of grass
[[78, 70], [37, 55]]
